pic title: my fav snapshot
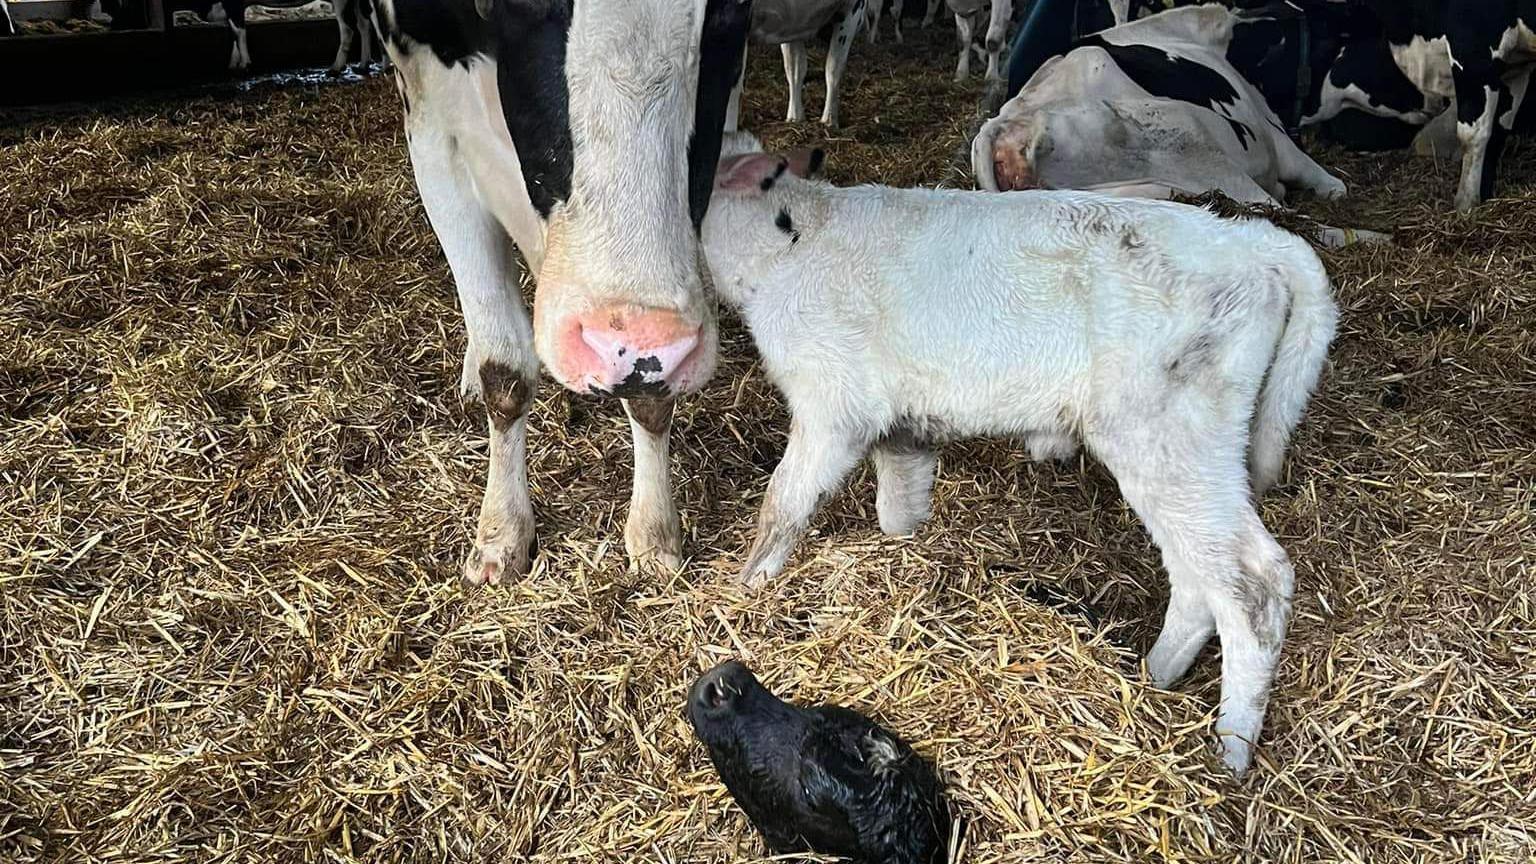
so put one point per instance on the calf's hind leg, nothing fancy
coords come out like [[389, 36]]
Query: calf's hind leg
[[1226, 573], [815, 463]]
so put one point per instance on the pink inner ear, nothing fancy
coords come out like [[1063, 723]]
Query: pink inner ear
[[747, 171]]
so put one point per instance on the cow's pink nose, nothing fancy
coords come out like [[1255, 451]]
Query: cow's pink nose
[[1013, 170], [630, 351]]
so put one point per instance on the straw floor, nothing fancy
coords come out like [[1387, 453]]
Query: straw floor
[[237, 481]]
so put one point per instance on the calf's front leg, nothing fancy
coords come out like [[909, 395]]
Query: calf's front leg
[[815, 463], [904, 483], [653, 534]]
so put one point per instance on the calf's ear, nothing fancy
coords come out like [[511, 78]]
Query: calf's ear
[[757, 172], [750, 172]]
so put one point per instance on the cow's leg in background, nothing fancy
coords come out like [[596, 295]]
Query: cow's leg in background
[[872, 12], [1477, 128], [7, 26], [933, 12], [653, 531], [964, 31], [1438, 138], [500, 365], [997, 35], [733, 105], [239, 51], [1297, 169], [346, 16], [843, 33], [794, 72]]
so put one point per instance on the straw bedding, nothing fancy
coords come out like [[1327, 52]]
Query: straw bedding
[[236, 483]]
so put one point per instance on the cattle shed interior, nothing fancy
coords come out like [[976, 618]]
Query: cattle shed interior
[[237, 483]]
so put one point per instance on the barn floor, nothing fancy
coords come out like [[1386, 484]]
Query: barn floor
[[237, 481]]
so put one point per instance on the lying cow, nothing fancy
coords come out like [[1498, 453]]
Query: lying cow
[[967, 13], [1149, 105], [1479, 54], [585, 134], [1173, 344], [788, 24]]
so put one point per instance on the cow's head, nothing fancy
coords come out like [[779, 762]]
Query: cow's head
[[622, 306]]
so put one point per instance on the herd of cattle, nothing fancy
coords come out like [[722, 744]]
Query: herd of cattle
[[598, 139]]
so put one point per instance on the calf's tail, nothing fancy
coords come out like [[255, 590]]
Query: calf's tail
[[1298, 363]]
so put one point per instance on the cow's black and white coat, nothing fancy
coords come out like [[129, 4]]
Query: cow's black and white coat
[[586, 135], [789, 24], [1474, 55], [354, 18], [1147, 108]]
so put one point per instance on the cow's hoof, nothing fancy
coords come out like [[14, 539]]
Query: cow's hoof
[[1332, 190], [491, 562]]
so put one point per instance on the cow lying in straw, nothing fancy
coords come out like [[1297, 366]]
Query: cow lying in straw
[[1170, 342]]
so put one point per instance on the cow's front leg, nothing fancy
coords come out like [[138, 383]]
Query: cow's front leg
[[504, 537], [1295, 168], [653, 533], [499, 363], [814, 465]]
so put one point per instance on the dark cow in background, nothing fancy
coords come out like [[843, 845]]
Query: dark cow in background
[[585, 136]]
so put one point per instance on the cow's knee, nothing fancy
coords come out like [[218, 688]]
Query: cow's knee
[[507, 393]]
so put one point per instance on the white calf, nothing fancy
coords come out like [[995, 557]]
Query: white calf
[[966, 14], [1172, 343]]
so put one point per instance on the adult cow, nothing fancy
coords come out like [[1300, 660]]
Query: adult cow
[[1148, 107], [788, 24], [1479, 53], [586, 134], [354, 18]]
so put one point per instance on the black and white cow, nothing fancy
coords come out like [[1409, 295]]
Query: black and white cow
[[353, 18], [898, 10], [586, 135], [1150, 107], [789, 24], [1475, 55]]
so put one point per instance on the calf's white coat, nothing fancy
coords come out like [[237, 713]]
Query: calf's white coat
[[1175, 345]]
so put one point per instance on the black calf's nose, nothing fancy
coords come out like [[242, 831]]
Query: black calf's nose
[[716, 688]]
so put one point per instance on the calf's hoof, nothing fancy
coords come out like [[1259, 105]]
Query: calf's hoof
[[491, 561], [655, 544], [1236, 754]]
